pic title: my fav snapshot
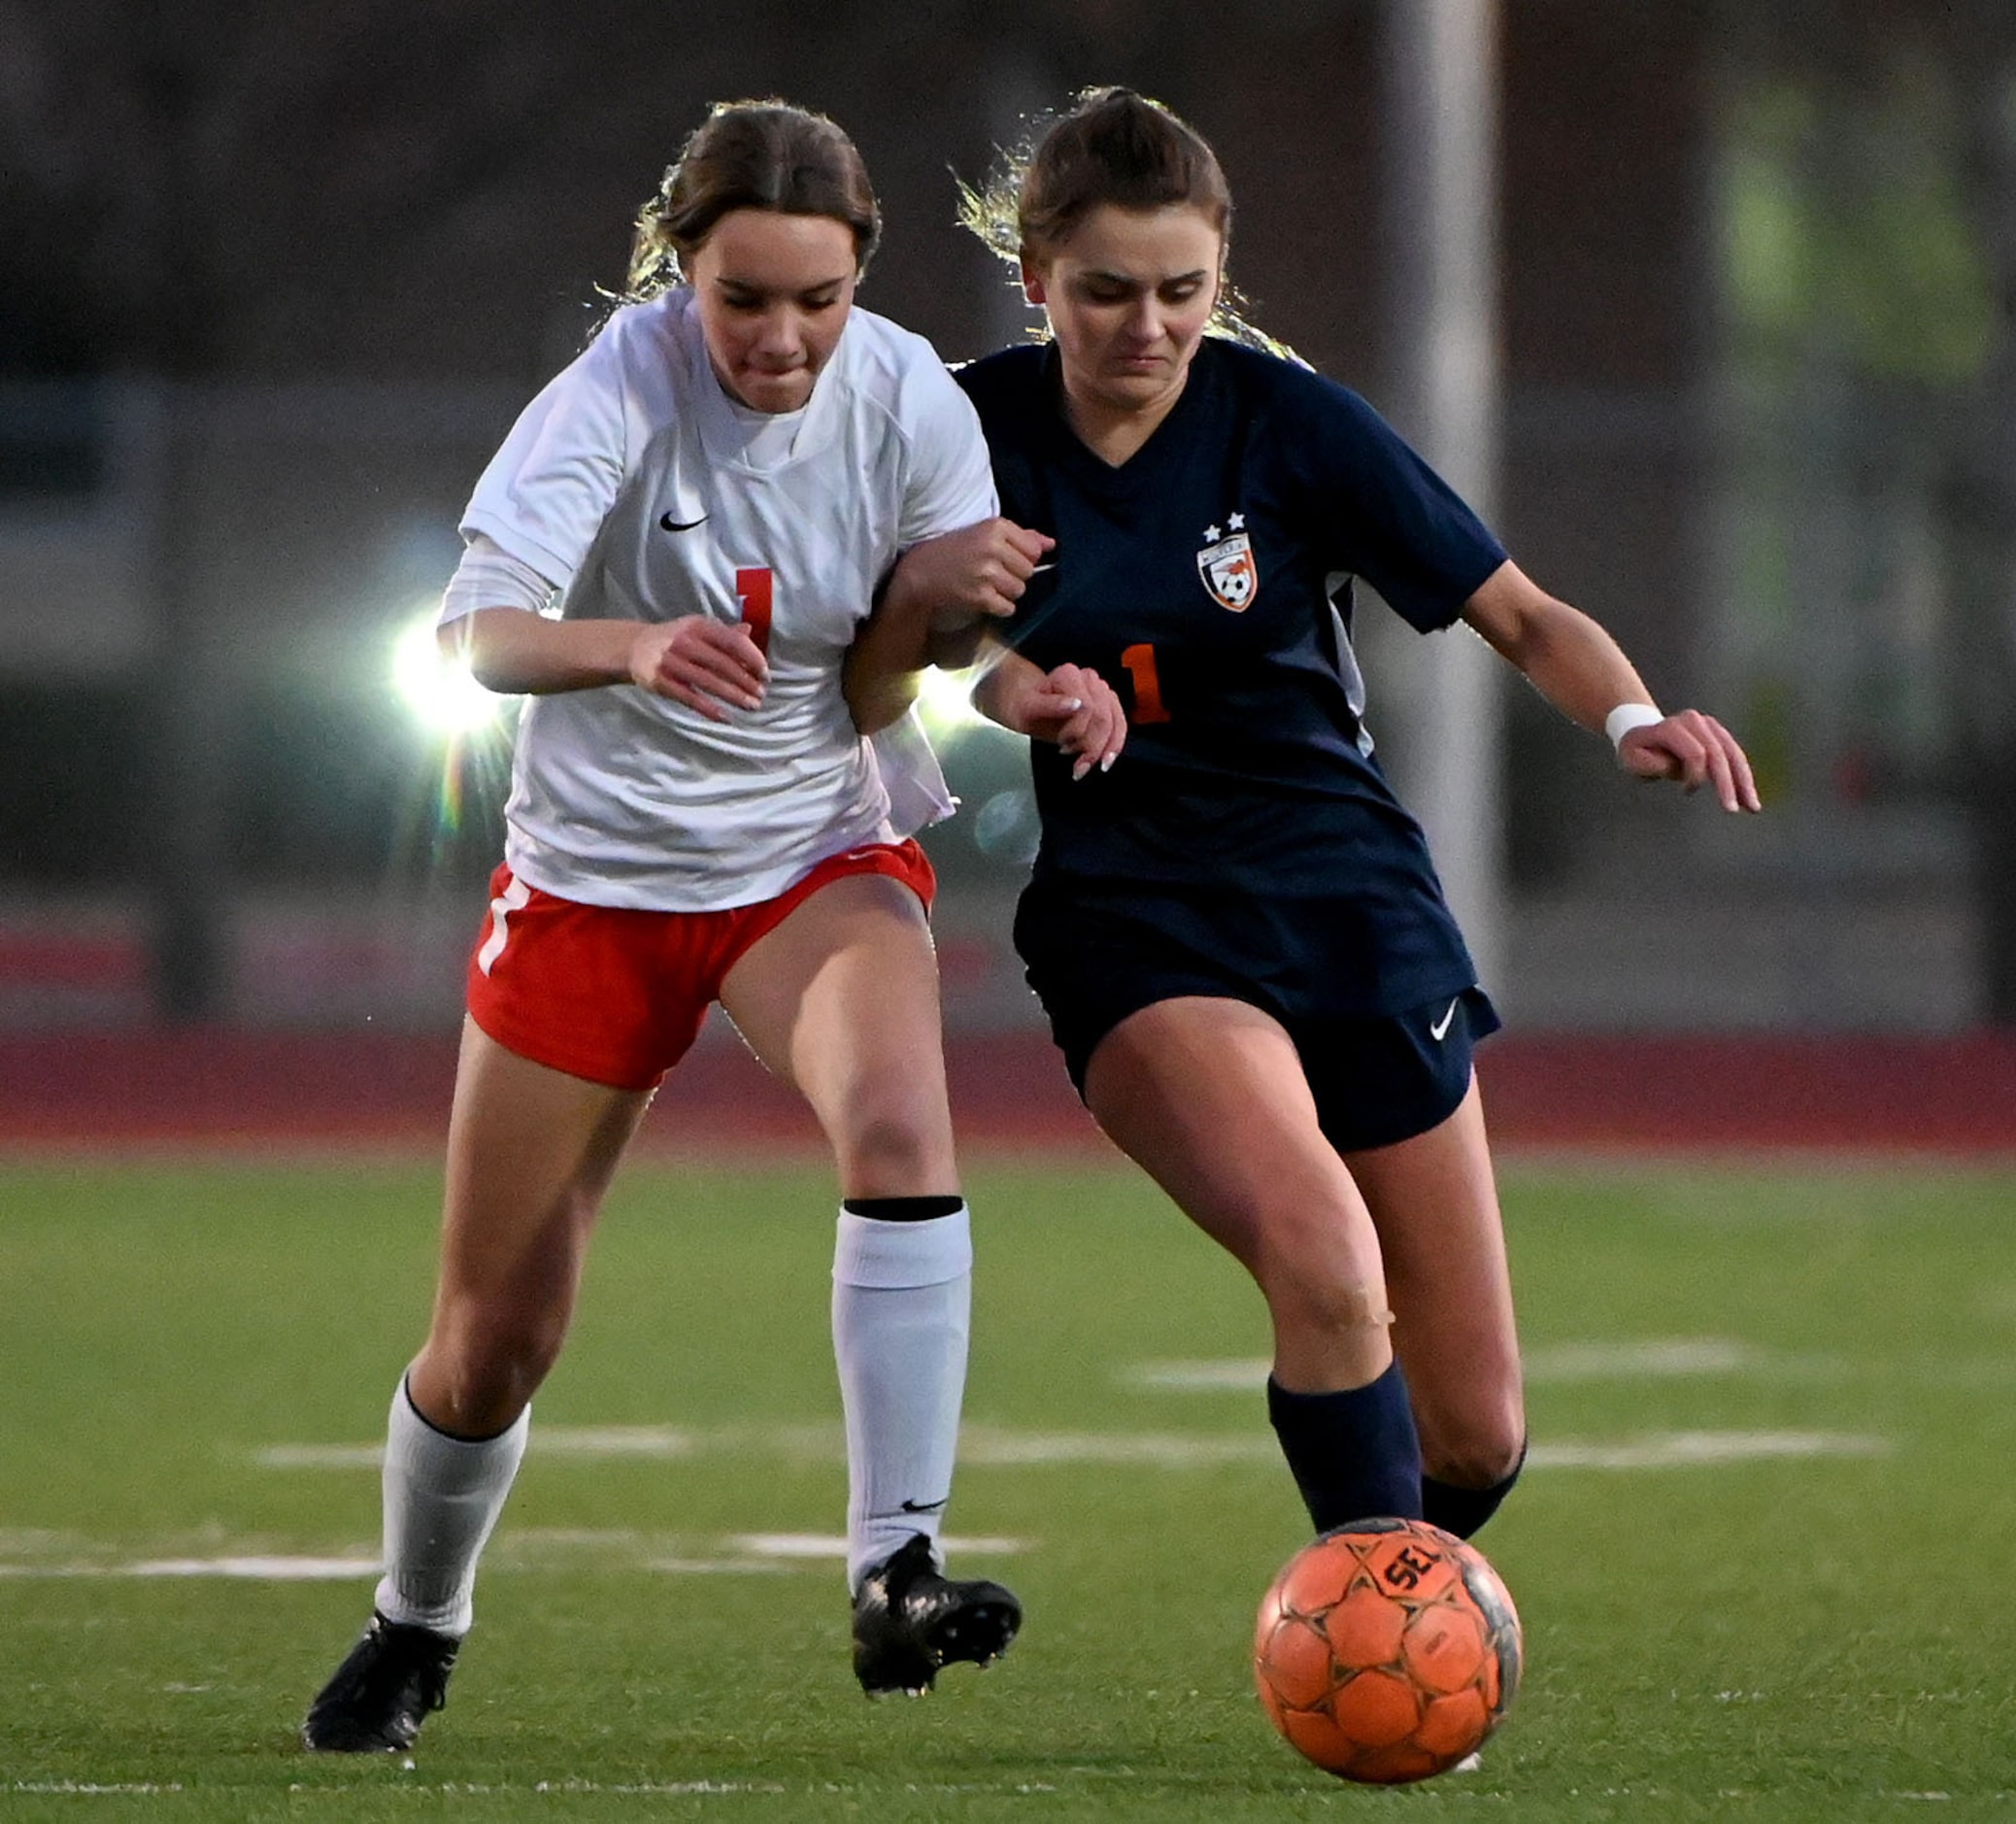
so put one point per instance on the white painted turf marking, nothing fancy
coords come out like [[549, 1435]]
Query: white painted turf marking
[[1000, 1447], [738, 1555], [255, 1570], [1653, 1358], [1681, 1451], [746, 1553]]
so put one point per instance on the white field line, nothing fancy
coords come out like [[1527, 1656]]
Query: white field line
[[738, 1554], [982, 1447], [267, 1568], [997, 1447], [1678, 1450], [979, 1445], [834, 1545], [482, 1788], [749, 1553], [1656, 1357]]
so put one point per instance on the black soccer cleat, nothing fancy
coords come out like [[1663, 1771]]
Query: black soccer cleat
[[908, 1621], [393, 1678]]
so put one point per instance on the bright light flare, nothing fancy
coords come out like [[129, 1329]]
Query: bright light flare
[[438, 691], [945, 704]]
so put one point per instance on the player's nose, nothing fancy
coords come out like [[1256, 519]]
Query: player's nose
[[782, 336], [1144, 320]]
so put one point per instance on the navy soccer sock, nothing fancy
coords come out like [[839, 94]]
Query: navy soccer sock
[[1354, 1454], [1463, 1511]]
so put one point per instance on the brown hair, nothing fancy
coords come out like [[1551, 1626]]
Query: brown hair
[[751, 154], [1119, 148], [1113, 146]]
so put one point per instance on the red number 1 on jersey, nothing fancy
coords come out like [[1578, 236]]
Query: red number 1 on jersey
[[753, 588], [1148, 685]]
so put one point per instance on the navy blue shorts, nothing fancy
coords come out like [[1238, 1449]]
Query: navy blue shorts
[[1376, 1078]]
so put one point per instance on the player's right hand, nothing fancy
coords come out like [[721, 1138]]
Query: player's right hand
[[700, 662], [1075, 707], [978, 571], [1694, 750]]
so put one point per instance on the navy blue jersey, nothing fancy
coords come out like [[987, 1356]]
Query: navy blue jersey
[[1208, 579]]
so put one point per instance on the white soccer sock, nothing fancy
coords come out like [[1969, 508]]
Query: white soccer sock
[[902, 1304], [442, 1496]]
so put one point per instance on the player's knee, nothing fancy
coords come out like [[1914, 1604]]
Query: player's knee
[[489, 1364], [1480, 1449], [895, 1150], [1342, 1308], [1318, 1279]]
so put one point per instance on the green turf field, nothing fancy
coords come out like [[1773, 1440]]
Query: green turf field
[[1765, 1557]]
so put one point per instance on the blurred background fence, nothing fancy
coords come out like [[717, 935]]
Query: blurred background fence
[[272, 285]]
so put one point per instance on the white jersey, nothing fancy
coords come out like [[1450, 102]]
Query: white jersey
[[642, 492]]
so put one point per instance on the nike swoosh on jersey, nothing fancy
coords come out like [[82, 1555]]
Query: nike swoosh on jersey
[[668, 524], [1438, 1029]]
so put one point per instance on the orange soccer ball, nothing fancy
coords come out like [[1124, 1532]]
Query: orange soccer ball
[[1386, 1651]]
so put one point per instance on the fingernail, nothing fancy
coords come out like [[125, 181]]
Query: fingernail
[[1106, 765]]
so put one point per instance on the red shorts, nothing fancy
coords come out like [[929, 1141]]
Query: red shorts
[[618, 996]]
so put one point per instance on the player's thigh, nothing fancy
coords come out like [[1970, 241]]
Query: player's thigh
[[1434, 1201], [531, 1153], [840, 1000], [1207, 1096]]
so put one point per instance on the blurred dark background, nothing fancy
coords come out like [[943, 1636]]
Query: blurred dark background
[[274, 281]]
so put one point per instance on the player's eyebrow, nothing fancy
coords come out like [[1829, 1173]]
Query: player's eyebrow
[[748, 287], [1128, 278]]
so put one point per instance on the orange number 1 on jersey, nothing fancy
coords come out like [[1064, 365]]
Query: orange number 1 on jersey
[[1147, 687], [753, 588]]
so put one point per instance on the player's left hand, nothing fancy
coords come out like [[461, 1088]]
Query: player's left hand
[[974, 574], [1076, 708], [1696, 749]]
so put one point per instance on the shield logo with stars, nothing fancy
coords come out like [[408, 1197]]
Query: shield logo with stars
[[1226, 565]]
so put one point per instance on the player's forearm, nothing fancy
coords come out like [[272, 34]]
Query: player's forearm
[[1580, 669], [1569, 658], [1006, 683], [514, 651], [885, 666]]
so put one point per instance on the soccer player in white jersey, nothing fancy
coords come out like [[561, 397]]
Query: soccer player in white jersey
[[669, 555]]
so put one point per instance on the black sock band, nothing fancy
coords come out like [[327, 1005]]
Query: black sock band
[[1463, 1511], [442, 1431], [1354, 1454], [902, 1209]]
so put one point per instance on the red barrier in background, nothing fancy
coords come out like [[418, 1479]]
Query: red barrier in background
[[245, 1090]]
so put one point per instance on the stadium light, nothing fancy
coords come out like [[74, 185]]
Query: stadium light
[[438, 691]]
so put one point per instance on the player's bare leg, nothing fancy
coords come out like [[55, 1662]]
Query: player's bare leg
[[530, 1155], [1435, 1201], [841, 1000], [1208, 1096]]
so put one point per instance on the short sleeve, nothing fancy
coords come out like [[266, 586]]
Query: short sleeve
[[552, 483], [951, 480], [1382, 513]]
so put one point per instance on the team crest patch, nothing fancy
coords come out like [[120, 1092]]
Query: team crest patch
[[1226, 565]]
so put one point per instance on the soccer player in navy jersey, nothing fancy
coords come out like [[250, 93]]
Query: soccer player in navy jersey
[[1237, 933]]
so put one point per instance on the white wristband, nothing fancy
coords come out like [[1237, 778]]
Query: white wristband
[[1626, 717]]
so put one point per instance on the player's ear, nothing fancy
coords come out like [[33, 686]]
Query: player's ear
[[1032, 282]]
